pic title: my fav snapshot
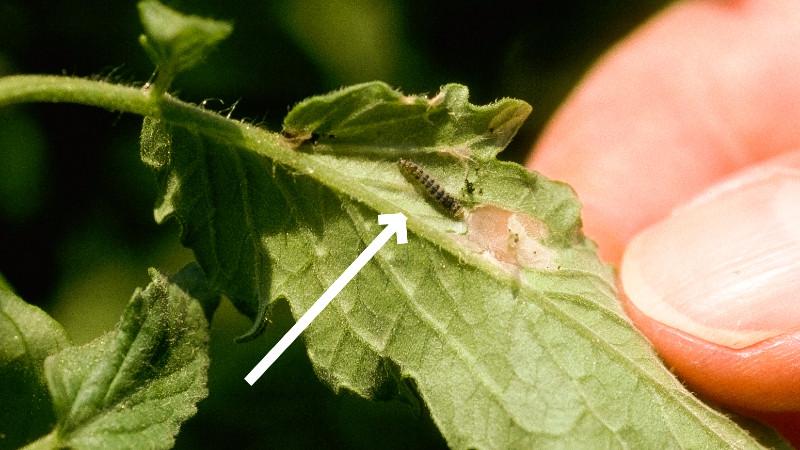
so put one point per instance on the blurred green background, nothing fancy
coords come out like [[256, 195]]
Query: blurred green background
[[76, 225]]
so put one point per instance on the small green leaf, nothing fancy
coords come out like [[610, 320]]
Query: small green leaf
[[505, 324], [176, 42], [374, 118], [133, 387], [27, 337]]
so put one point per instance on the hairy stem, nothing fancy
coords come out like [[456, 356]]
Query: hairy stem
[[114, 97], [61, 89]]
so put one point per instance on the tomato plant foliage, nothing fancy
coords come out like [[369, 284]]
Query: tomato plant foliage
[[503, 324], [130, 388]]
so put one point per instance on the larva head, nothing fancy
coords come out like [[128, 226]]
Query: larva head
[[408, 166]]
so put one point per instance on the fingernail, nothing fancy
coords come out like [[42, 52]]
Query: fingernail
[[726, 267]]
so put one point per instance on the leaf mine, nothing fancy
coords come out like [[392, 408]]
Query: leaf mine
[[511, 240]]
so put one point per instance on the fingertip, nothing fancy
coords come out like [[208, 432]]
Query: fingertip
[[714, 287], [702, 90], [761, 377], [750, 382], [603, 232]]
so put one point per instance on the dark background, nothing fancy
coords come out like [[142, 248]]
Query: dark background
[[76, 225]]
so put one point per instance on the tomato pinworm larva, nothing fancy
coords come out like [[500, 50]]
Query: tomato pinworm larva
[[433, 189]]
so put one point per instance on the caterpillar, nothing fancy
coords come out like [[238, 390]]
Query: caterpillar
[[432, 188]]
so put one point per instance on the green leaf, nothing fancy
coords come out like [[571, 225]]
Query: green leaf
[[27, 337], [176, 42], [133, 387], [505, 324], [388, 123]]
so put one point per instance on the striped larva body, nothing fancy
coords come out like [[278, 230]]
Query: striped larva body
[[432, 188]]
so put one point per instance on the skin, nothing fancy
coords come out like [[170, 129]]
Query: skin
[[704, 93]]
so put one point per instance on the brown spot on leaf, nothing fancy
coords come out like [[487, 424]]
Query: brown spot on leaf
[[297, 138]]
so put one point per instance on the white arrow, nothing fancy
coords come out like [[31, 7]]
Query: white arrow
[[395, 223]]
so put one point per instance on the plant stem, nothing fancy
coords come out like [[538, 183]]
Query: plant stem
[[115, 97], [62, 89]]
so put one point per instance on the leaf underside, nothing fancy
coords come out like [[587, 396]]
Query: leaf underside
[[505, 324]]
